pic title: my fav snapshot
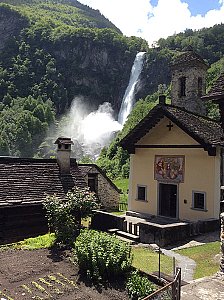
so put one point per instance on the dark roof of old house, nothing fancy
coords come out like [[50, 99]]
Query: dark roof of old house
[[64, 141], [188, 57], [27, 181], [205, 131], [217, 90], [88, 168]]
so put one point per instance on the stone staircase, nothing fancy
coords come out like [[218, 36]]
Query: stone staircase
[[129, 232]]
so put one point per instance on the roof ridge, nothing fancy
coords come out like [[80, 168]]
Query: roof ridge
[[192, 113]]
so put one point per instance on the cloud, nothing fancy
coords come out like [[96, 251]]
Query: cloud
[[140, 18]]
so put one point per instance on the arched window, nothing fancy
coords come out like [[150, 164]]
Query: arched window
[[199, 86], [182, 86]]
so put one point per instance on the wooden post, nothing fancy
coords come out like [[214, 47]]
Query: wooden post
[[174, 266], [130, 227], [135, 229], [159, 262], [222, 243], [125, 225]]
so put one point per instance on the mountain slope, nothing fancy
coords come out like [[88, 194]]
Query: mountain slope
[[69, 12], [51, 53]]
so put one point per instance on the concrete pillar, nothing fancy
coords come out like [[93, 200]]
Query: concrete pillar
[[222, 243]]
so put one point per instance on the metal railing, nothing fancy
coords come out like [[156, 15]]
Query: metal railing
[[171, 291]]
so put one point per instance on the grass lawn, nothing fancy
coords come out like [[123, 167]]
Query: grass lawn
[[204, 256], [122, 184], [148, 261], [39, 242]]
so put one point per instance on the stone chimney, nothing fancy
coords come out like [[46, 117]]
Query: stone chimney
[[64, 154]]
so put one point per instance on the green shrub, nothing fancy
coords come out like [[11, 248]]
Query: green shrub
[[60, 219], [139, 286], [64, 216], [102, 256]]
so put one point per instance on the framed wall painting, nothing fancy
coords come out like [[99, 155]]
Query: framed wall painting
[[169, 168]]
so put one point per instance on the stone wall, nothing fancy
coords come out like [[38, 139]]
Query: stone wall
[[169, 234], [191, 101], [108, 195], [163, 235], [103, 221]]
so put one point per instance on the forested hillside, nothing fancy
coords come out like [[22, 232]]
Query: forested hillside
[[52, 51]]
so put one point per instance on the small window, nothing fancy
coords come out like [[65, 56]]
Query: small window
[[199, 86], [66, 146], [183, 86], [141, 193], [198, 201], [92, 182]]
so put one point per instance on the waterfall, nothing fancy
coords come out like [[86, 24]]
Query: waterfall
[[129, 96]]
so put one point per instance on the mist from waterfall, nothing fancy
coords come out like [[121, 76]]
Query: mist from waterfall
[[129, 96], [92, 131]]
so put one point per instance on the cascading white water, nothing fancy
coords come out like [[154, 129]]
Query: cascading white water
[[90, 132], [129, 96]]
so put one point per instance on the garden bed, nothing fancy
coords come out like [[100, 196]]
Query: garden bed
[[46, 273]]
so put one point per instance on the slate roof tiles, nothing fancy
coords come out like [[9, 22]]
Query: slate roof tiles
[[27, 181], [205, 131], [217, 90]]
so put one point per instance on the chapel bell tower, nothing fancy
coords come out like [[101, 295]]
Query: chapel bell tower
[[188, 81]]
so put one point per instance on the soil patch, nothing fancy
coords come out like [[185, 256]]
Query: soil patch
[[48, 274]]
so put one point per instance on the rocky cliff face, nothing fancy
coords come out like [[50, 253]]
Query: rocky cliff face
[[11, 23], [156, 71], [97, 72]]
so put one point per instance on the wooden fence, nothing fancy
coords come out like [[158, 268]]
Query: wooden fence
[[171, 291], [123, 206]]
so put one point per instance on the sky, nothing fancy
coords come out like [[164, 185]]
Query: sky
[[155, 19]]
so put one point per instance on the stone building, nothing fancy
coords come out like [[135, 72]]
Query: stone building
[[99, 183], [189, 82], [25, 182]]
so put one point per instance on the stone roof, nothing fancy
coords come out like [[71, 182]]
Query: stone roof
[[205, 131], [188, 57], [27, 181], [217, 90], [87, 168], [64, 141]]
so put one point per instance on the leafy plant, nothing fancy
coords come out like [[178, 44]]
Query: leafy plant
[[64, 216], [139, 286], [102, 256]]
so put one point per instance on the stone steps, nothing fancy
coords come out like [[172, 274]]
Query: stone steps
[[123, 235]]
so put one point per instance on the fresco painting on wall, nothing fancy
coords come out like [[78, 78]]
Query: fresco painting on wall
[[169, 168]]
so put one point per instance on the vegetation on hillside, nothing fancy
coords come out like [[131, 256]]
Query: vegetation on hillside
[[45, 62], [23, 122], [207, 42], [63, 12]]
